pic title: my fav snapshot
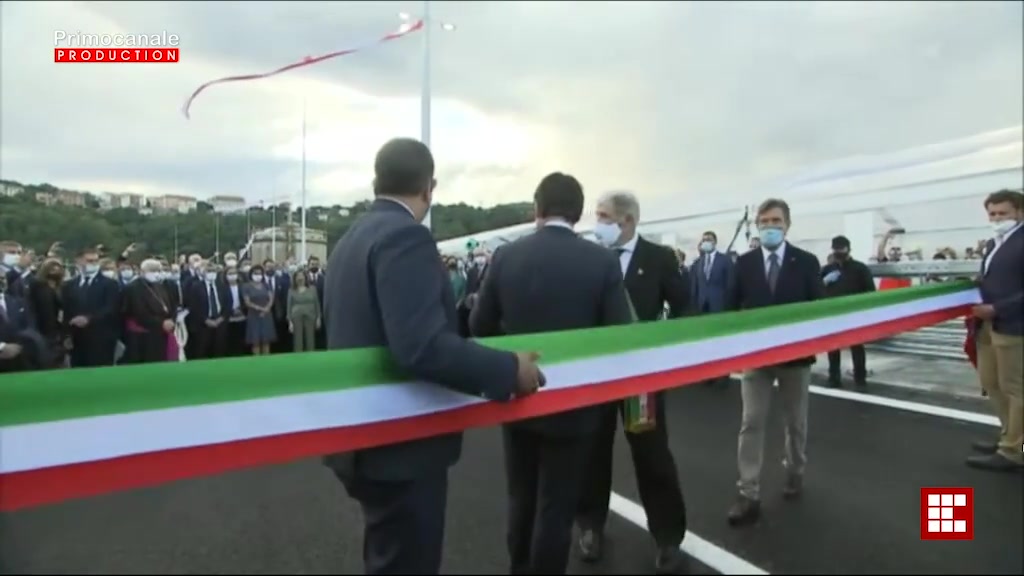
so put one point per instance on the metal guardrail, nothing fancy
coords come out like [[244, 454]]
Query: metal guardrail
[[942, 341], [968, 268]]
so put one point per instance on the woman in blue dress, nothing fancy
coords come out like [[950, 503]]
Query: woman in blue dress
[[259, 326]]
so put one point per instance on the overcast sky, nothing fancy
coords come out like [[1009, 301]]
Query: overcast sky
[[688, 104]]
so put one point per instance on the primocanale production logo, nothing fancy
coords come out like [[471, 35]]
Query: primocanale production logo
[[947, 513], [160, 48]]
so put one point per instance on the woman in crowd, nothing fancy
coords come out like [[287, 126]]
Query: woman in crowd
[[237, 320], [259, 330], [303, 313], [44, 302], [149, 318]]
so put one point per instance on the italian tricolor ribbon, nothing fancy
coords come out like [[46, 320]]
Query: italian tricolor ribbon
[[74, 433]]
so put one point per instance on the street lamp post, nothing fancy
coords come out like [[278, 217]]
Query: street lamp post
[[303, 232], [425, 88]]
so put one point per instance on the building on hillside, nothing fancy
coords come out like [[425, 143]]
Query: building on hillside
[[10, 189], [227, 204], [284, 243], [174, 203], [123, 200], [46, 198], [70, 198]]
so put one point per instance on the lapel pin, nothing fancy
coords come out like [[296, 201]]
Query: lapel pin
[[640, 271]]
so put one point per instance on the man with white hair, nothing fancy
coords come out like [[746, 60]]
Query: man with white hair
[[652, 280], [149, 317]]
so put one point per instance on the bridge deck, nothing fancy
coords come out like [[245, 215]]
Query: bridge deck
[[859, 515]]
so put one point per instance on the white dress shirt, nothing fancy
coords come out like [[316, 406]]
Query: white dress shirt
[[766, 253], [999, 241]]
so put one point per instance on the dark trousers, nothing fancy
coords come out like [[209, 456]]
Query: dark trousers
[[860, 368], [656, 477], [93, 350], [404, 523], [209, 342], [283, 344], [235, 338], [545, 476]]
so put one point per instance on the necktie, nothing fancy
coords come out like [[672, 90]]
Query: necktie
[[214, 304], [773, 271], [707, 267], [620, 251]]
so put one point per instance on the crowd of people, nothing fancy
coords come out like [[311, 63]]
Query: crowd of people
[[386, 286]]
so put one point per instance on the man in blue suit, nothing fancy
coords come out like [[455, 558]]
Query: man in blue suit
[[710, 275], [387, 288], [1000, 331], [91, 313], [774, 274]]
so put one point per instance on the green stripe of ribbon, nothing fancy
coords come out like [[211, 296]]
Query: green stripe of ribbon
[[61, 394]]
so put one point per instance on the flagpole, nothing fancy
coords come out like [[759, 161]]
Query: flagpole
[[303, 233], [425, 87]]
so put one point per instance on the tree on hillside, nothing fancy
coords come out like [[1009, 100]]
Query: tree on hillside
[[37, 226]]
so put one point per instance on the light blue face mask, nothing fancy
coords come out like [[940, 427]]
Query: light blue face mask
[[607, 233], [771, 237], [706, 247]]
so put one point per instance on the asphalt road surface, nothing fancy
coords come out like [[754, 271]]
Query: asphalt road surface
[[859, 515]]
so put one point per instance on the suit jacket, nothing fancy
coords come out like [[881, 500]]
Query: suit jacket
[[99, 302], [15, 329], [282, 284], [708, 294], [1002, 283], [653, 280], [799, 281], [197, 301], [387, 288], [547, 281]]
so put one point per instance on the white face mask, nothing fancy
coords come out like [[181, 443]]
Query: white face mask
[[480, 260], [257, 277], [607, 233], [706, 247], [231, 262], [110, 274], [153, 277], [211, 276], [127, 274], [11, 260], [1002, 227], [232, 277]]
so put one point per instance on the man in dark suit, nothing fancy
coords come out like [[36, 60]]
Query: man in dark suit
[[387, 288], [209, 308], [652, 279], [279, 283], [710, 275], [844, 276], [547, 281], [1000, 331], [775, 273], [92, 313]]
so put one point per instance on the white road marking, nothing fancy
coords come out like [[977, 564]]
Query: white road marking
[[907, 405], [716, 557], [950, 413]]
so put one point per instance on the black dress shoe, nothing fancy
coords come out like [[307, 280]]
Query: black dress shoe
[[670, 560], [985, 447], [744, 511], [591, 545], [834, 383], [995, 462], [860, 384]]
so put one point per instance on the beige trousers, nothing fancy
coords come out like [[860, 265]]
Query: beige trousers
[[1001, 372]]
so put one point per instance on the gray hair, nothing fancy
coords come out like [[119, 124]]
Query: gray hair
[[151, 265], [622, 203]]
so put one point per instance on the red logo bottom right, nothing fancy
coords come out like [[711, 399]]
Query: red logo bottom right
[[947, 513]]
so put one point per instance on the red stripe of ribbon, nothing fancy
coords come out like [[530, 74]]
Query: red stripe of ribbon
[[307, 61]]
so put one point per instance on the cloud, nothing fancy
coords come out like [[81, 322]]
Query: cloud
[[693, 105]]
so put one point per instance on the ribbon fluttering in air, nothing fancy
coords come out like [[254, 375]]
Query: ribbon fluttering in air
[[404, 30]]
